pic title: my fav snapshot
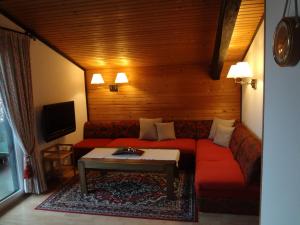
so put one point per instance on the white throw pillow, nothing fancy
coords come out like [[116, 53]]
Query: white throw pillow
[[148, 129], [216, 122], [165, 131], [223, 135]]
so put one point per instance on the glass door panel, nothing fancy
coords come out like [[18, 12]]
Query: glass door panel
[[8, 169]]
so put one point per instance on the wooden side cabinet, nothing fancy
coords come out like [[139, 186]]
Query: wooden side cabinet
[[55, 159]]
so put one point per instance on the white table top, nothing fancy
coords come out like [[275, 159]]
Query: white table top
[[149, 154]]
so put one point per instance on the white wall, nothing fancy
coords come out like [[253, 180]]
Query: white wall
[[281, 155], [54, 79], [252, 99]]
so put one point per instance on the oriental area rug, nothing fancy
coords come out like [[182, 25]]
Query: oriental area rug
[[127, 194]]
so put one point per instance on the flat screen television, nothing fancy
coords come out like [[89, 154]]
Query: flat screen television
[[58, 120]]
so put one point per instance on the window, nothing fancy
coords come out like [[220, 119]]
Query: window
[[9, 180]]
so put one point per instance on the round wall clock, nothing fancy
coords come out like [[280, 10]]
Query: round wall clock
[[286, 45]]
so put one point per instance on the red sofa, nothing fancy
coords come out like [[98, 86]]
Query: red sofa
[[126, 133], [226, 179]]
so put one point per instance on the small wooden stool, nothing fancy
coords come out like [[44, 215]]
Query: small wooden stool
[[58, 154]]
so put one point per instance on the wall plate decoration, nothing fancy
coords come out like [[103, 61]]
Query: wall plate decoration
[[286, 43]]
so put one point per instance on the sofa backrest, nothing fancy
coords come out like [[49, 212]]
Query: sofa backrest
[[112, 129], [246, 149], [239, 135], [195, 129]]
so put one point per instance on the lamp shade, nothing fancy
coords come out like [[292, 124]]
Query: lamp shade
[[244, 69], [121, 78], [233, 72], [97, 79], [240, 70]]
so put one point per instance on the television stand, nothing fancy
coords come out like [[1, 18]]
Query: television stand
[[54, 160]]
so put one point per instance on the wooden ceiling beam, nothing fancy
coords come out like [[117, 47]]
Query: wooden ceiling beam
[[228, 13]]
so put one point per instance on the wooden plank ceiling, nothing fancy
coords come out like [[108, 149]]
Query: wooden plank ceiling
[[123, 33], [134, 33], [250, 15]]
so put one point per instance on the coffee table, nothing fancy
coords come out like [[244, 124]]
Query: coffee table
[[163, 160]]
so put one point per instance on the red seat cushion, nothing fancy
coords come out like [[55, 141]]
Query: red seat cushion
[[185, 145], [131, 142], [208, 151], [218, 175], [93, 143]]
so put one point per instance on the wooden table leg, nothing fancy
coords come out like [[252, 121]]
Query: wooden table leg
[[170, 169], [82, 177], [176, 172], [73, 161]]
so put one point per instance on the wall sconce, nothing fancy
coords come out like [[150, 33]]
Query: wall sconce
[[97, 79], [120, 79], [242, 70]]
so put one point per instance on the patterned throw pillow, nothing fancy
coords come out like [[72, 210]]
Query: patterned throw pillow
[[100, 129], [185, 128], [148, 129], [223, 135], [165, 131], [216, 122], [203, 128], [126, 129]]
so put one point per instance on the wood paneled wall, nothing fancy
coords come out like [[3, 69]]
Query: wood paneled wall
[[171, 92]]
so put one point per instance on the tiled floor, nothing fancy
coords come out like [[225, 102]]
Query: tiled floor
[[25, 214]]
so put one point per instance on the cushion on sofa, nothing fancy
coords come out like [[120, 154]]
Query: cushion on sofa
[[216, 122], [148, 129], [203, 128], [249, 158], [223, 135], [208, 151], [185, 145], [238, 136], [112, 129], [101, 129], [126, 129], [165, 131], [218, 175], [93, 143], [130, 129], [185, 128]]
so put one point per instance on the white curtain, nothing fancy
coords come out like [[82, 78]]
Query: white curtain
[[17, 97]]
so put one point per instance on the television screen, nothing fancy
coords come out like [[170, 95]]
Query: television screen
[[58, 120]]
